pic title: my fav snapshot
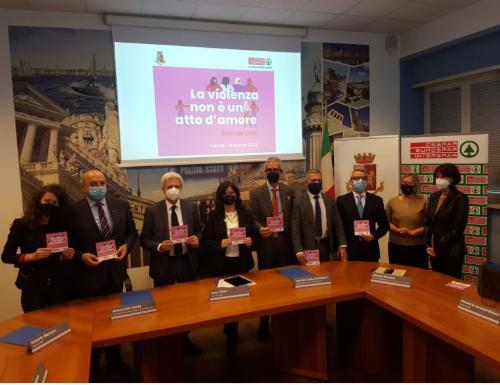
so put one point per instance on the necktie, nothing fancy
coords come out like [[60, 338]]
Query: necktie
[[359, 204], [317, 218], [275, 202], [175, 222], [103, 222]]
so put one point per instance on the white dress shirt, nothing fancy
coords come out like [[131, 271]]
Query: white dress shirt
[[95, 212], [179, 217]]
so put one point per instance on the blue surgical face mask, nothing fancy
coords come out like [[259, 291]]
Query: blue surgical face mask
[[359, 185], [97, 193]]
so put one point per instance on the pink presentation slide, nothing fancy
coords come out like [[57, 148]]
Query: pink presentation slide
[[214, 111]]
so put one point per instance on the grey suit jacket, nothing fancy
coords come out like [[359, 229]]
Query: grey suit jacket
[[303, 226], [261, 205], [155, 230]]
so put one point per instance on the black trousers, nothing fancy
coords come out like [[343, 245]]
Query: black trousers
[[232, 265], [324, 250], [180, 270], [113, 353], [450, 265], [275, 251], [38, 298], [408, 255]]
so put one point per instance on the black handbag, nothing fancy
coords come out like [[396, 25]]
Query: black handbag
[[489, 281]]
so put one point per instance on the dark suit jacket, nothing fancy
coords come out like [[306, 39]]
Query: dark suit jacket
[[86, 234], [216, 231], [155, 230], [261, 206], [447, 225], [358, 249], [303, 225], [35, 275]]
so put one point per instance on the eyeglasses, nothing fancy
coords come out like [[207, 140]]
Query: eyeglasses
[[278, 170]]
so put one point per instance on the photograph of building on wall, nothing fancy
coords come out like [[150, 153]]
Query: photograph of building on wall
[[350, 113]]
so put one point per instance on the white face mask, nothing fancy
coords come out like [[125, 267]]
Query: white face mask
[[173, 193], [442, 183]]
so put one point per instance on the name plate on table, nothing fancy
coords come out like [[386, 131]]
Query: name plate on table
[[488, 313], [57, 242], [311, 257], [133, 310], [106, 250], [179, 234], [229, 292], [41, 373], [48, 336], [275, 224], [237, 235], [389, 279], [317, 280]]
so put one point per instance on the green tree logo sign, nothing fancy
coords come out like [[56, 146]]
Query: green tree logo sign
[[469, 149]]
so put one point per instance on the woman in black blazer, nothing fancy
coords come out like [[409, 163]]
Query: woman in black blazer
[[43, 276], [445, 221], [225, 258]]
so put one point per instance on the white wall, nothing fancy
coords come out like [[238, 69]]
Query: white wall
[[384, 110], [476, 17]]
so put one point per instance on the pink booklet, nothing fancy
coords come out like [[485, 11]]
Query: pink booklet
[[362, 227], [275, 224], [237, 235], [179, 234], [106, 250], [311, 257], [57, 242]]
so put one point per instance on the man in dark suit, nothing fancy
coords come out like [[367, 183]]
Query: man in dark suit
[[172, 262], [99, 217], [362, 205], [316, 223], [272, 199]]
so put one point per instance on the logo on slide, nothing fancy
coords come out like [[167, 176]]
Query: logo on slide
[[160, 59], [256, 61]]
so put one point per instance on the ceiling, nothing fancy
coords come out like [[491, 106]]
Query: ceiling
[[379, 16]]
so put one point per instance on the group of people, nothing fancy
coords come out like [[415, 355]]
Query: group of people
[[419, 230]]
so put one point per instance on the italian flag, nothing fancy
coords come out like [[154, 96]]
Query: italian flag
[[326, 164]]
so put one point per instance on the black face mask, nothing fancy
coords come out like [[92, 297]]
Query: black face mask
[[407, 189], [228, 199], [314, 187], [48, 209], [273, 177]]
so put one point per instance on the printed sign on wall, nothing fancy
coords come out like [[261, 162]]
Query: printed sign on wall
[[421, 155]]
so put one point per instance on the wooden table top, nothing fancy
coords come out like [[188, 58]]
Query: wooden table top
[[432, 306], [429, 304], [67, 360]]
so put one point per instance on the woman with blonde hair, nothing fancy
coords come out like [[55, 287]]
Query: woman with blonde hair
[[406, 213]]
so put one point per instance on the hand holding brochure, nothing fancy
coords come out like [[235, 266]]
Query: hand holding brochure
[[362, 227], [179, 234], [275, 224], [106, 250], [57, 242], [237, 235], [311, 257]]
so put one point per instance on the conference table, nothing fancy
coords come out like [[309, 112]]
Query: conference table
[[411, 334]]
